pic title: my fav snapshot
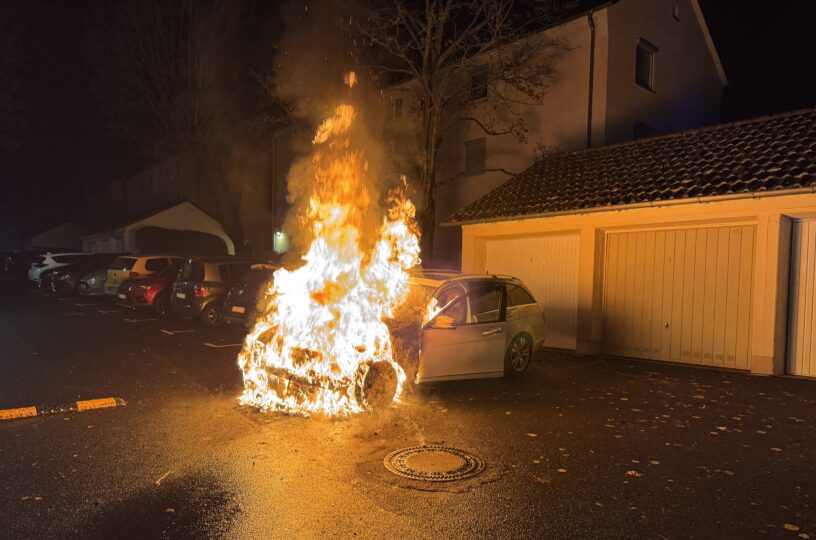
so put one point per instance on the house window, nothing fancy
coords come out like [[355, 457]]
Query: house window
[[398, 107], [676, 12], [642, 129], [475, 151], [478, 83], [644, 64]]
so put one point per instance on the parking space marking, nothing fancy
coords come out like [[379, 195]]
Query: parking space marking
[[174, 332], [140, 320], [214, 346], [83, 305], [64, 299], [109, 311]]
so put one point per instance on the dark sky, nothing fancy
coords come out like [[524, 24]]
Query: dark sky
[[765, 46]]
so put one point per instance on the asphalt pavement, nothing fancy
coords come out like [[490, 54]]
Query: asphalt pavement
[[577, 447]]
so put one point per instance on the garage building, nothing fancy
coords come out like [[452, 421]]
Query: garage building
[[697, 247]]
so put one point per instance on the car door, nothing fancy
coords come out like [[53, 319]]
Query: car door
[[470, 341]]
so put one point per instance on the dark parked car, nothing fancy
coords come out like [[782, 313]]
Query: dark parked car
[[202, 285], [66, 279], [248, 298], [19, 261], [150, 292]]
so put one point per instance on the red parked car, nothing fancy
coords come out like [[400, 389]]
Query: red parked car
[[150, 292]]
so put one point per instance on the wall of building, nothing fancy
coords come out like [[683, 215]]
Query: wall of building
[[687, 85], [771, 217], [558, 123], [184, 217]]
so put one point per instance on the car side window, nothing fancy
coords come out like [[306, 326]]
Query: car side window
[[457, 310], [516, 296], [485, 305], [156, 265]]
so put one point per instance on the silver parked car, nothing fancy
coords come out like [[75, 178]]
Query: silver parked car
[[477, 326], [93, 284]]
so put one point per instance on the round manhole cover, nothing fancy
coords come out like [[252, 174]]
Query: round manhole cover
[[433, 463]]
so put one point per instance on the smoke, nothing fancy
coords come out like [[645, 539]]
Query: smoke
[[315, 51]]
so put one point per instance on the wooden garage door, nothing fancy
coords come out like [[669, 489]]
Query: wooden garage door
[[548, 265], [681, 295], [802, 321]]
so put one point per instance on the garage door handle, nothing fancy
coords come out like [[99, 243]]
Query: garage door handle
[[492, 331]]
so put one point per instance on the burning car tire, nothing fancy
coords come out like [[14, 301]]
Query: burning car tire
[[375, 385]]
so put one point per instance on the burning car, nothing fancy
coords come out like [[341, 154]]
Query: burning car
[[475, 326]]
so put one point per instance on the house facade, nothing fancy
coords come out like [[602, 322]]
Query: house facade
[[626, 69], [697, 247]]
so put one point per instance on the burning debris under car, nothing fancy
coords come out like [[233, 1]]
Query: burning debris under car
[[323, 345]]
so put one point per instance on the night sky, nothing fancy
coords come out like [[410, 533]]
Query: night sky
[[766, 49]]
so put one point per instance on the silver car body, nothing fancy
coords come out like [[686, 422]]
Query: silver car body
[[473, 321], [94, 283], [49, 261]]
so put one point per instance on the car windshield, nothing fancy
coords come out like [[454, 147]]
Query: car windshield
[[256, 278], [123, 263]]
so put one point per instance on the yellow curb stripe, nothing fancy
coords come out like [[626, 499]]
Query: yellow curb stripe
[[22, 412], [90, 404]]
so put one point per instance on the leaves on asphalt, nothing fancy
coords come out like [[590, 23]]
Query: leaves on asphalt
[[532, 434], [632, 472], [791, 527]]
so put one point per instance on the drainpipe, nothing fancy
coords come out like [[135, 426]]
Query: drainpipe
[[591, 20]]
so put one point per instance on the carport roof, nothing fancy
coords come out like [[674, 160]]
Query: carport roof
[[760, 155]]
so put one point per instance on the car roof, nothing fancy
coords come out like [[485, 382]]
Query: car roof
[[225, 259], [437, 278]]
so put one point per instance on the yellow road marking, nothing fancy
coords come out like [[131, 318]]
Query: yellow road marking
[[22, 412], [90, 404]]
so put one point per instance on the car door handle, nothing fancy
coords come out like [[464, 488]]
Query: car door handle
[[492, 331]]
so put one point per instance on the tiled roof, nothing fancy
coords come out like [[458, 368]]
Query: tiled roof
[[770, 153]]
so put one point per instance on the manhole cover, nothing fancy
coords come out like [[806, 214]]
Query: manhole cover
[[433, 463]]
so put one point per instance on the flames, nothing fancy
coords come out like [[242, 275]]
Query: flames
[[323, 341]]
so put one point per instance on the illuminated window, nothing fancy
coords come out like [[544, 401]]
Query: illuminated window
[[644, 64], [475, 151]]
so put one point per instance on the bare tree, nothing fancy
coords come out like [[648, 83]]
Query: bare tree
[[435, 46], [177, 77]]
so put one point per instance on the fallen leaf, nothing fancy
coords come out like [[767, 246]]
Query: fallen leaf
[[599, 504], [775, 449], [562, 470], [542, 479], [654, 462], [791, 527], [635, 461], [169, 510], [37, 498], [729, 473], [722, 428], [804, 535], [624, 399], [532, 434], [536, 461], [634, 473], [507, 412]]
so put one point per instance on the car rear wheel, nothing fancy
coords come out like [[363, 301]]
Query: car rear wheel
[[161, 306], [211, 316], [518, 354]]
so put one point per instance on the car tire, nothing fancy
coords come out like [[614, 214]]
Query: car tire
[[161, 306], [211, 315], [518, 355]]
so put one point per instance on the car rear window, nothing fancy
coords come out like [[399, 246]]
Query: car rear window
[[67, 259], [517, 296], [193, 271], [156, 265], [123, 263], [230, 273]]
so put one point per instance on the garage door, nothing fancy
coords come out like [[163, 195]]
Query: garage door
[[802, 321], [681, 295], [548, 265]]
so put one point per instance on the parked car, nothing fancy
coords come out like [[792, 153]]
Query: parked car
[[248, 297], [66, 279], [93, 283], [151, 292], [134, 266], [202, 285], [19, 261], [478, 326], [50, 261]]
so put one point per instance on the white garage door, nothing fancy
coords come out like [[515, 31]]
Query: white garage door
[[548, 265], [802, 321], [680, 295]]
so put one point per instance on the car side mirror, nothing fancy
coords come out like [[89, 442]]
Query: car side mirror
[[443, 322]]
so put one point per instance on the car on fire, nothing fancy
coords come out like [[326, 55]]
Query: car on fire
[[202, 285], [248, 297], [150, 292], [476, 326]]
